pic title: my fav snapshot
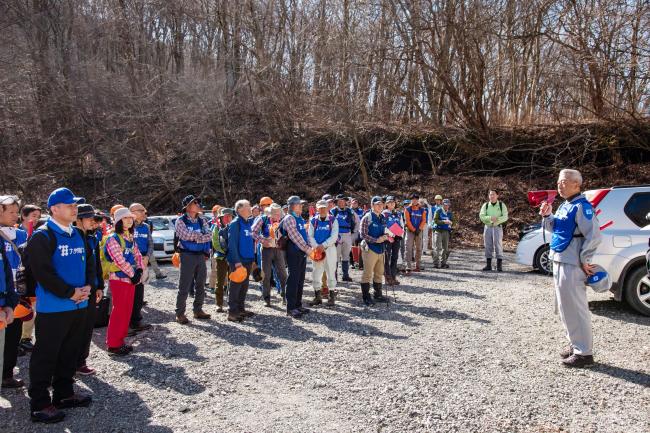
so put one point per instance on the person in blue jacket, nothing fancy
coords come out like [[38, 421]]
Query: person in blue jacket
[[241, 252], [14, 240], [59, 259]]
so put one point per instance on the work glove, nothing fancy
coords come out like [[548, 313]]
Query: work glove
[[135, 279]]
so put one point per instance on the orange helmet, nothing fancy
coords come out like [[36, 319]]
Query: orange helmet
[[239, 275], [266, 201], [115, 208], [176, 260], [24, 311], [215, 209]]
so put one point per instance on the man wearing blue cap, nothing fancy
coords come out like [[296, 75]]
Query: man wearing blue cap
[[62, 265], [576, 236], [373, 229]]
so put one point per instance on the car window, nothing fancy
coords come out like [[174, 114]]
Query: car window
[[160, 223], [637, 207]]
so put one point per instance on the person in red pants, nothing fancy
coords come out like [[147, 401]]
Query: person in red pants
[[125, 271]]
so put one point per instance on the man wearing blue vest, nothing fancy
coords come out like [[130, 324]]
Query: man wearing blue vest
[[14, 240], [142, 237], [293, 226], [241, 253], [8, 296], [443, 223], [194, 243], [323, 233], [348, 227], [576, 236], [65, 274], [373, 229]]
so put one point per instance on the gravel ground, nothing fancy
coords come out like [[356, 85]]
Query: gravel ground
[[459, 351]]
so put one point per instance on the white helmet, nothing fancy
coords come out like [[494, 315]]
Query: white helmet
[[599, 281]]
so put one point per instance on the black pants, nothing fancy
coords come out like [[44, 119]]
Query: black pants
[[297, 263], [138, 299], [59, 337], [237, 291], [392, 253], [89, 327], [13, 333]]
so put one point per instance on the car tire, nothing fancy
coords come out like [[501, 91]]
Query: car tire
[[637, 290], [542, 261]]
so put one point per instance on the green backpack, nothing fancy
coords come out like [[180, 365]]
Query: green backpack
[[108, 266]]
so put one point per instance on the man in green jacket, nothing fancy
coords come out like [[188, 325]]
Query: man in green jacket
[[494, 214]]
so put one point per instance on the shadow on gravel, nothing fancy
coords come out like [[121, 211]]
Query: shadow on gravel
[[234, 334], [632, 376], [435, 313], [442, 292], [616, 310], [132, 415], [146, 370]]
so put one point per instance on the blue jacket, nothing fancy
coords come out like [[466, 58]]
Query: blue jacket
[[241, 246], [59, 263], [141, 235], [8, 295]]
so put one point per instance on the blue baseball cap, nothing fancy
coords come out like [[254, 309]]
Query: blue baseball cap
[[376, 199], [63, 196]]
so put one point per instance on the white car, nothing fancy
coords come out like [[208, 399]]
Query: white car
[[622, 214], [163, 236]]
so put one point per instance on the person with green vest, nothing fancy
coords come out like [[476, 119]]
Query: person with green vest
[[443, 223], [493, 215], [219, 271]]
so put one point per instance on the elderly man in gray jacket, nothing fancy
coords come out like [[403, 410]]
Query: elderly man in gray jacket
[[576, 236]]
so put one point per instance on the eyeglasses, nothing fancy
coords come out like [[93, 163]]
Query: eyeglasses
[[9, 200]]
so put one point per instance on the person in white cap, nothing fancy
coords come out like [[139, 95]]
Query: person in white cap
[[322, 233], [576, 236], [443, 223]]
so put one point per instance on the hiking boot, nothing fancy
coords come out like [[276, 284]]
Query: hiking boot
[[161, 276], [499, 265], [119, 351], [304, 310], [75, 400], [232, 317], [139, 327], [365, 294], [182, 319], [347, 278], [295, 313], [331, 299], [246, 313], [12, 383], [48, 415], [436, 266], [378, 296], [488, 265], [220, 309], [202, 315], [579, 361], [267, 302], [566, 352], [318, 300], [444, 266], [84, 370]]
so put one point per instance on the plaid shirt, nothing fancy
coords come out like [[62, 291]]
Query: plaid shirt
[[365, 222], [186, 234], [257, 230], [115, 251], [293, 233]]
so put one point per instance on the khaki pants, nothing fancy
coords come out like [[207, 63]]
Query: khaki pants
[[218, 275], [373, 267], [441, 247], [413, 249], [28, 328]]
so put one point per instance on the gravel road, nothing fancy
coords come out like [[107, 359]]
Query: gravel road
[[459, 351]]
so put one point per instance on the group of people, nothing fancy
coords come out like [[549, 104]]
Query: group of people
[[53, 276]]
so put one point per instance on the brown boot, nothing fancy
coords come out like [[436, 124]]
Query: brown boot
[[202, 315], [182, 319], [318, 300], [232, 317], [331, 299]]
